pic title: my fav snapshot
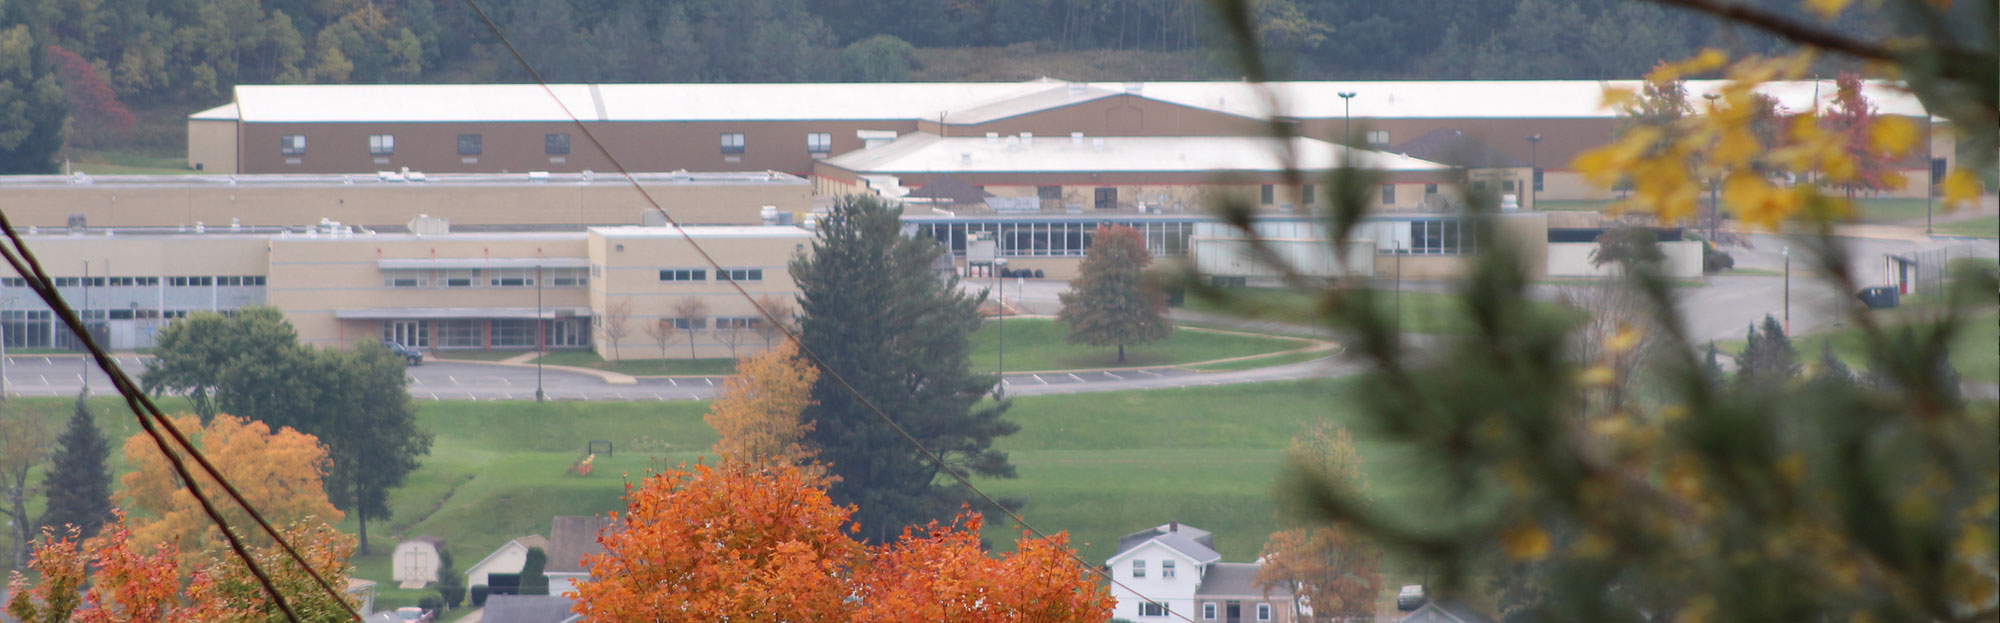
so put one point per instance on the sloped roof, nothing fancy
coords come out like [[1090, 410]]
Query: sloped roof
[[530, 541], [1192, 542], [1036, 101], [1451, 146], [1445, 611], [923, 152], [571, 538], [1237, 579], [526, 609]]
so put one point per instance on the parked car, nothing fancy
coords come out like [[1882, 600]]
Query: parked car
[[413, 614], [416, 357], [1411, 598]]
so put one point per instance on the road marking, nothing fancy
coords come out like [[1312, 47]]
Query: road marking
[[1147, 372], [1038, 377], [709, 381], [45, 378], [1114, 376], [656, 396], [435, 397], [1074, 376], [506, 380], [454, 380], [48, 362], [671, 381]]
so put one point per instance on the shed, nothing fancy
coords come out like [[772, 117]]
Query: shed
[[416, 561]]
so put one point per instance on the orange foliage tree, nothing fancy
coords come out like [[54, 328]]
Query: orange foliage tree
[[1331, 565], [757, 415], [750, 544], [278, 472]]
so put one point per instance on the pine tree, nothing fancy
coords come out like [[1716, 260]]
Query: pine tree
[[1711, 367], [1831, 370], [534, 573], [1767, 354], [1110, 303], [79, 479], [878, 315]]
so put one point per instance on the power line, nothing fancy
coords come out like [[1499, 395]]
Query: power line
[[790, 334]]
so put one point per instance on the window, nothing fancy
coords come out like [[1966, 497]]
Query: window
[[1047, 193], [742, 274], [1938, 166], [1267, 195], [1480, 185], [1378, 138], [1138, 568], [691, 324], [381, 144], [470, 144], [1308, 194], [186, 282], [819, 142], [292, 144], [1430, 189], [1153, 609], [1538, 180], [1107, 198], [14, 282], [512, 333], [1263, 612], [744, 323], [556, 144], [1388, 194], [1507, 185], [1167, 569], [732, 142], [566, 277], [459, 277], [1440, 237], [254, 280], [684, 274], [229, 281], [1208, 611], [460, 333], [406, 278], [510, 277]]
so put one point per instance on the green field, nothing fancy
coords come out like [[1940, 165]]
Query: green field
[[1973, 350], [1985, 227], [1037, 344], [1422, 312]]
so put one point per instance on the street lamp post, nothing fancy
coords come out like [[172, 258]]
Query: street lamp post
[[541, 334], [999, 272], [1714, 208], [1534, 171], [1788, 291], [1399, 286], [1347, 108]]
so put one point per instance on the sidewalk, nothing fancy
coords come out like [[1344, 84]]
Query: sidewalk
[[527, 360]]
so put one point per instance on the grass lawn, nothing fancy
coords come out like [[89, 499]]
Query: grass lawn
[[1889, 210], [1972, 351], [1422, 312], [1264, 362], [641, 367], [1985, 227], [1037, 344]]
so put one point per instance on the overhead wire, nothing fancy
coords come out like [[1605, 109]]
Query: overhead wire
[[789, 332], [153, 422]]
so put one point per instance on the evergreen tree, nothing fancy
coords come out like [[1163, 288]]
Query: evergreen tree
[[1110, 303], [33, 114], [1767, 354], [79, 478], [1711, 367], [451, 583], [1831, 370], [534, 573], [877, 313]]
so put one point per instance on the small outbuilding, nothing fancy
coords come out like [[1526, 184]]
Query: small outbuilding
[[415, 562], [508, 558]]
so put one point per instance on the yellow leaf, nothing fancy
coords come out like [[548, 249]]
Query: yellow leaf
[[1893, 135], [1827, 9], [1736, 147], [1756, 202], [1591, 545], [1526, 541], [1596, 376], [1960, 186], [1626, 338]]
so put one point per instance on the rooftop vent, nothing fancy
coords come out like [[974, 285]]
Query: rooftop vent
[[426, 225], [965, 157], [538, 176], [993, 138], [1027, 139], [1076, 138], [1078, 88]]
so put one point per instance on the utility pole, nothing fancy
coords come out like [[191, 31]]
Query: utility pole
[[1788, 291], [84, 373], [1347, 107], [1000, 269], [541, 332], [1534, 171], [1714, 209]]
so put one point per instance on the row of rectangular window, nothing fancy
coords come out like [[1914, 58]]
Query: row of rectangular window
[[123, 282], [722, 323], [700, 274], [487, 277], [1208, 610], [553, 144], [1166, 569], [1055, 238]]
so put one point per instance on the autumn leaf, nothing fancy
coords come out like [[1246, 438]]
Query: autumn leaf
[[279, 472], [756, 418]]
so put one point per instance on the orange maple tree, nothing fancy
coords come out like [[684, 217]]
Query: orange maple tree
[[742, 543], [278, 472], [1331, 565], [757, 415]]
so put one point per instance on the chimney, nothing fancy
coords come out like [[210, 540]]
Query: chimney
[[1174, 525], [965, 158]]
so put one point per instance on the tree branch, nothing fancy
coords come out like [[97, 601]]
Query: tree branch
[[1785, 27]]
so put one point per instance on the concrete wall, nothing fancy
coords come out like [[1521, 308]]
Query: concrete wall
[[212, 146], [1231, 257], [610, 201], [1573, 259], [626, 265]]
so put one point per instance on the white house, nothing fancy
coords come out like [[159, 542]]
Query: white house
[[1172, 571], [415, 562], [507, 559]]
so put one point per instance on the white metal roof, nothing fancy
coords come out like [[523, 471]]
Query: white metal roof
[[927, 153], [225, 112], [702, 231], [959, 102]]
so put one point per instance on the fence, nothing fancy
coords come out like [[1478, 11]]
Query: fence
[[1925, 272]]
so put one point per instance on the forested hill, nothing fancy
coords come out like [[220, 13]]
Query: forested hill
[[195, 50]]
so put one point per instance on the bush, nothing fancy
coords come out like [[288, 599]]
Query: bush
[[1715, 260], [431, 602], [479, 595]]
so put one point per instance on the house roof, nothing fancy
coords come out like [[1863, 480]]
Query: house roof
[[1445, 611], [1451, 146], [923, 152], [1192, 542], [571, 538], [1236, 579], [532, 540], [526, 609]]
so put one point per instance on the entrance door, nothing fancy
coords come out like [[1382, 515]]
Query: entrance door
[[567, 333], [1233, 612], [411, 333]]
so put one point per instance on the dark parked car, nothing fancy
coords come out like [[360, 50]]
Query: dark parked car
[[416, 357]]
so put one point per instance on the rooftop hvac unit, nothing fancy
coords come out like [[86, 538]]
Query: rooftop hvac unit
[[538, 176], [652, 218], [768, 214], [78, 223], [427, 225]]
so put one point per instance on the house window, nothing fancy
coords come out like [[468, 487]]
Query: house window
[[819, 142], [381, 144], [1107, 198], [1538, 180], [1268, 194], [1378, 138], [1167, 569], [1507, 185], [1430, 189], [556, 144], [1208, 611], [732, 142], [1153, 609], [1138, 568], [459, 278], [691, 324], [1308, 194], [470, 144], [1263, 612], [684, 274], [292, 144], [741, 274], [745, 323], [1388, 194]]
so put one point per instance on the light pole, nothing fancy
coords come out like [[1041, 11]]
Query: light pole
[[1715, 209], [1534, 171], [1788, 291], [999, 270], [1347, 108], [1399, 286], [541, 334], [1930, 196], [85, 372]]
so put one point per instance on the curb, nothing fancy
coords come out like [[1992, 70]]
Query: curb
[[610, 378]]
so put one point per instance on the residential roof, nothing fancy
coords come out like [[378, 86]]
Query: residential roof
[[532, 540], [923, 152], [1451, 146], [526, 609], [1199, 535], [1237, 579], [1192, 542], [570, 539], [1445, 611], [964, 102]]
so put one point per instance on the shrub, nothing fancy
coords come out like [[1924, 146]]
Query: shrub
[[431, 602], [479, 595]]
